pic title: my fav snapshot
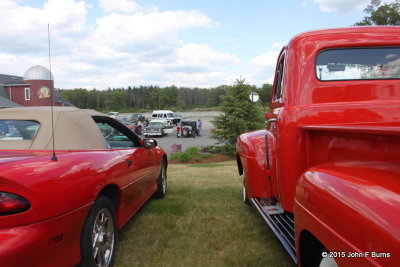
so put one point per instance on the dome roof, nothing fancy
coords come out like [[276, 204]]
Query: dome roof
[[38, 73]]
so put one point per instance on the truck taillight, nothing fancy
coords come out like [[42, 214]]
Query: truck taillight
[[11, 204]]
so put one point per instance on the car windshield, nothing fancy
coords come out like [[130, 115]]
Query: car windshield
[[18, 129], [359, 64]]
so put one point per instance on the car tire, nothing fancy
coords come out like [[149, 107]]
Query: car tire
[[162, 182], [246, 199], [99, 235]]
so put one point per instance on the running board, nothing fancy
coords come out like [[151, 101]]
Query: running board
[[280, 222]]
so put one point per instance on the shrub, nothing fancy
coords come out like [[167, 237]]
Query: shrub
[[222, 149], [186, 155], [189, 153]]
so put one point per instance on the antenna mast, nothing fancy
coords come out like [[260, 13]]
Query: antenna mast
[[53, 158]]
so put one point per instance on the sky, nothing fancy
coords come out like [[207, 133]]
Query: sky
[[119, 43]]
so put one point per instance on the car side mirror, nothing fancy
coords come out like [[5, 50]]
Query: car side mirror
[[149, 143]]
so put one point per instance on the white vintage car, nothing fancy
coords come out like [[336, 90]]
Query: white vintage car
[[158, 128]]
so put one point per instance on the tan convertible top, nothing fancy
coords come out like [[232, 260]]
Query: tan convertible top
[[74, 128]]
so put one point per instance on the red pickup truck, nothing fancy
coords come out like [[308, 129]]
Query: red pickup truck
[[325, 174]]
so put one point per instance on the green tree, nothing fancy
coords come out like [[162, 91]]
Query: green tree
[[169, 97], [239, 115], [116, 100], [265, 93], [381, 14]]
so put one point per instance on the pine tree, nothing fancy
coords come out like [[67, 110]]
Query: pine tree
[[239, 115]]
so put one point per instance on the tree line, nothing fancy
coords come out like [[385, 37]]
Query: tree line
[[153, 97]]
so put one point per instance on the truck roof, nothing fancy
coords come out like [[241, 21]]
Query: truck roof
[[350, 30], [359, 36]]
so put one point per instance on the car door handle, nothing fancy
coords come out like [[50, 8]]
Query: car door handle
[[129, 162]]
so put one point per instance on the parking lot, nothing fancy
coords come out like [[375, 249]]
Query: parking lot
[[169, 140]]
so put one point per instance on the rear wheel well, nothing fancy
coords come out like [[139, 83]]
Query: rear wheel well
[[310, 249], [111, 192]]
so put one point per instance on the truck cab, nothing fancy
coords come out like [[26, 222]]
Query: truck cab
[[325, 170]]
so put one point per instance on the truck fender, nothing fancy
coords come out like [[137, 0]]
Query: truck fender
[[349, 210], [252, 163]]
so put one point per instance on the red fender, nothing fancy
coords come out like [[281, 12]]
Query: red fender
[[252, 162], [351, 208]]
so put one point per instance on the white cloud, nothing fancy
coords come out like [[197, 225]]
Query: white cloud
[[199, 58], [140, 30], [120, 6], [187, 65], [278, 45], [341, 6], [24, 29], [263, 66], [66, 13], [128, 45], [265, 60]]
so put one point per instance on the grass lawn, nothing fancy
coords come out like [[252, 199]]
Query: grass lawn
[[201, 222]]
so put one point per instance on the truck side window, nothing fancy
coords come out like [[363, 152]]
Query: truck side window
[[279, 81]]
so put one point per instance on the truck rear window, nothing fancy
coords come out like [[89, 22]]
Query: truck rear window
[[358, 64], [18, 129]]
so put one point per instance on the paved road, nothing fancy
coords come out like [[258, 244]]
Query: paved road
[[166, 142]]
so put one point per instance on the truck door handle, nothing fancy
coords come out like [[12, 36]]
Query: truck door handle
[[129, 162]]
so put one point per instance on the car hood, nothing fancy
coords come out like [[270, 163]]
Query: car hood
[[10, 156]]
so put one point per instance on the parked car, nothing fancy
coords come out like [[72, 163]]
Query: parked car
[[135, 117], [176, 118], [113, 114], [65, 208], [134, 126], [166, 115], [124, 120], [157, 128], [324, 174], [187, 128]]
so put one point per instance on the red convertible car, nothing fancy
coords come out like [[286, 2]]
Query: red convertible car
[[67, 209]]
